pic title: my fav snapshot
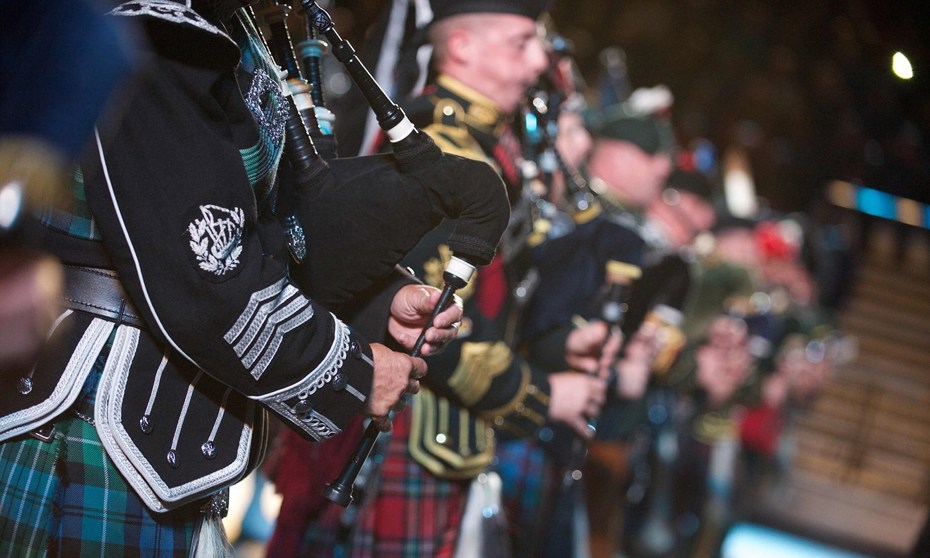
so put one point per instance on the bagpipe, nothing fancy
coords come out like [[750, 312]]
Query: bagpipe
[[361, 215], [618, 278], [558, 87], [572, 261], [575, 270]]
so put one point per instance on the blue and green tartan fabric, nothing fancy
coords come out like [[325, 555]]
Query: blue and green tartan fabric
[[526, 476], [64, 497], [260, 160], [77, 220]]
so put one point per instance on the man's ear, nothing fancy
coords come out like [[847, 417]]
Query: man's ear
[[460, 44]]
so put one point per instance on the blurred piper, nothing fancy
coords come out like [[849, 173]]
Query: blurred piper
[[42, 129], [628, 166]]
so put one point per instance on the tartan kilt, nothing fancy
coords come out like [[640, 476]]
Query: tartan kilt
[[531, 484], [64, 497], [406, 512]]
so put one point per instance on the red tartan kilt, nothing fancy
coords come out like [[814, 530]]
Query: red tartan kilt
[[301, 473], [415, 513]]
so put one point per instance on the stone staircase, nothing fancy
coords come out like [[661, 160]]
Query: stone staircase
[[859, 473]]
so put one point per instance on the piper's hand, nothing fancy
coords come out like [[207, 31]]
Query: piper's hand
[[410, 311], [395, 374], [575, 398], [635, 368], [585, 348]]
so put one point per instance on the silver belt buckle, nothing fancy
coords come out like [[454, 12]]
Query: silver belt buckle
[[43, 433]]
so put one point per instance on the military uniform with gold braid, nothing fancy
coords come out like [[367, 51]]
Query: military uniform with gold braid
[[478, 381]]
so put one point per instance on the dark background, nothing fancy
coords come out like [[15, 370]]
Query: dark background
[[804, 86]]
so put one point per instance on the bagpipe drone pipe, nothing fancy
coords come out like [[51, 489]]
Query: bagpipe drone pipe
[[361, 215]]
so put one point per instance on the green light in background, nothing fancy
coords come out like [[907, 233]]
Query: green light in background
[[901, 66]]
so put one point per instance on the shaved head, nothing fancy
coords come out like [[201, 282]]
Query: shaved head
[[497, 55]]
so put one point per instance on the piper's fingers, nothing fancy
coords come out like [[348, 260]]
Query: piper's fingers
[[581, 426], [450, 316], [382, 422], [418, 368], [440, 336]]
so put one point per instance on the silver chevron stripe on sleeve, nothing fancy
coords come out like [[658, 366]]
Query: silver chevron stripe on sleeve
[[270, 314]]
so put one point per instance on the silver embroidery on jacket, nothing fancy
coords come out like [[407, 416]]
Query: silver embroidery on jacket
[[256, 300], [296, 240], [268, 105], [259, 331], [167, 10], [318, 426], [217, 238], [137, 464]]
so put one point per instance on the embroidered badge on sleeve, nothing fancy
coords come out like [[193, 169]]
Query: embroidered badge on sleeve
[[216, 239]]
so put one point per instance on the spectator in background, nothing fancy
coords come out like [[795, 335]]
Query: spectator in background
[[43, 128]]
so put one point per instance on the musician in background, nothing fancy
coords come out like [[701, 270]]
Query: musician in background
[[183, 328], [628, 166], [660, 299], [805, 351], [540, 509], [730, 336], [487, 54]]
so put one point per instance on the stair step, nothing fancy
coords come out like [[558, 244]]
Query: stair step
[[847, 512], [863, 317], [909, 380], [860, 453], [896, 477], [893, 282], [887, 353]]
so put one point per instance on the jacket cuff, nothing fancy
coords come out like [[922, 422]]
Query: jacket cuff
[[324, 402], [527, 412]]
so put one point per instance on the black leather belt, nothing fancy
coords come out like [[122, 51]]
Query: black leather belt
[[99, 292]]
